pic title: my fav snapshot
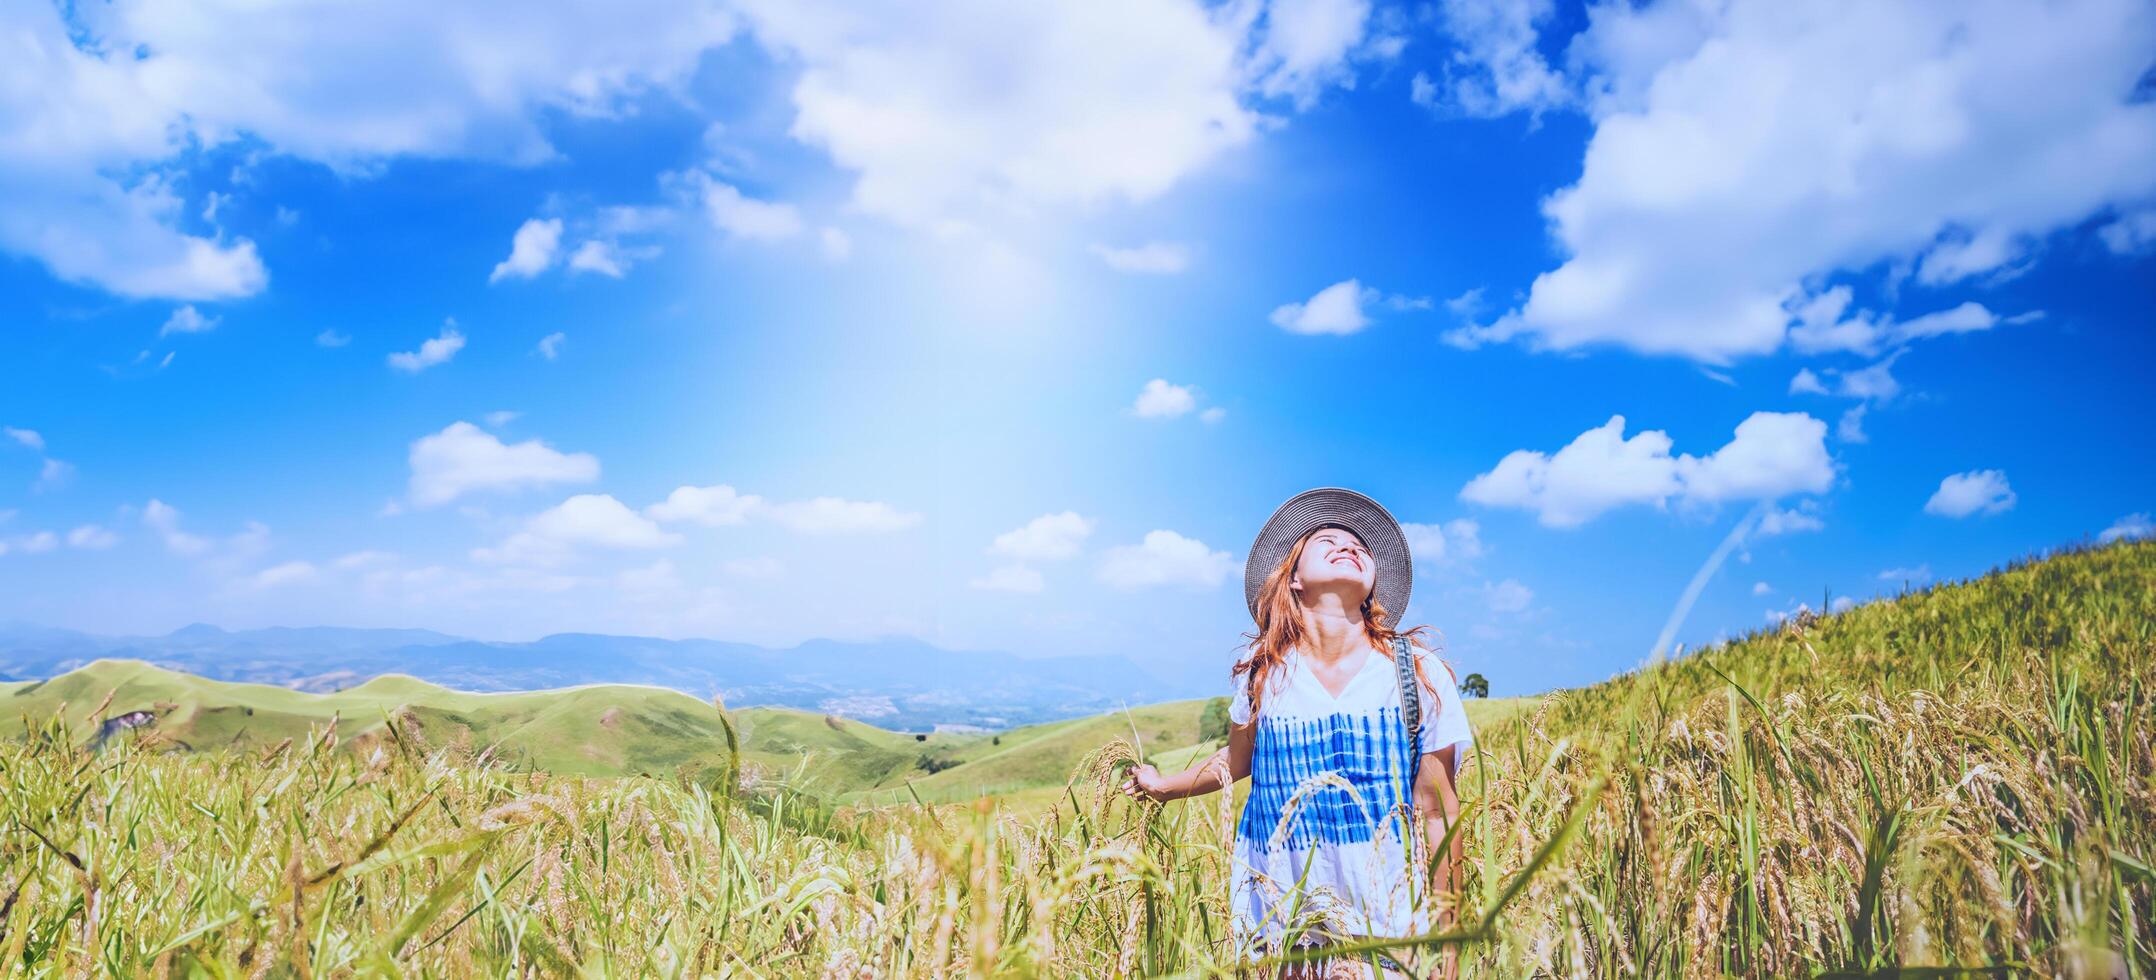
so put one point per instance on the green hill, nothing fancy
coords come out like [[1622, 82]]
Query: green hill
[[601, 730]]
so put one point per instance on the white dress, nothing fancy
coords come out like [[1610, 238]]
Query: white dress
[[1321, 839]]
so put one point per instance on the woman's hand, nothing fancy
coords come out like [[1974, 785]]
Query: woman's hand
[[1146, 781]]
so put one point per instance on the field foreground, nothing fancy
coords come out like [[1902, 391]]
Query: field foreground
[[1960, 779]]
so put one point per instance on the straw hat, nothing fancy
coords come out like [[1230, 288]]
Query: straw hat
[[1335, 507]]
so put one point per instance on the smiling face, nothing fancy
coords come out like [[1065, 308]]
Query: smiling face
[[1334, 560]]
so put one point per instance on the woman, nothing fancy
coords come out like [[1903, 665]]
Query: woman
[[1326, 847]]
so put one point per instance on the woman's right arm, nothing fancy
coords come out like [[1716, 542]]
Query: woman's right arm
[[1215, 772]]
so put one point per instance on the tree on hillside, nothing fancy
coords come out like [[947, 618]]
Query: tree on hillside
[[1475, 686], [1213, 721]]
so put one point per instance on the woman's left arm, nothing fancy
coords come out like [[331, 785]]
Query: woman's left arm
[[1438, 804]]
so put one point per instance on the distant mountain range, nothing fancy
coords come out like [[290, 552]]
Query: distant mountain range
[[897, 683]]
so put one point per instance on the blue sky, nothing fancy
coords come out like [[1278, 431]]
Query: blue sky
[[1006, 328]]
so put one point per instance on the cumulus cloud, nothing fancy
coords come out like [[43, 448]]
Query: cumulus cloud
[[1336, 309], [1508, 597], [187, 319], [331, 339], [1164, 558], [1762, 588], [588, 520], [1780, 520], [1303, 46], [1975, 492], [1049, 537], [1161, 400], [430, 353], [1920, 573], [713, 506], [1772, 455], [2131, 233], [1744, 153], [961, 112], [604, 258], [531, 250], [2131, 527], [745, 217], [1157, 258], [1494, 68], [102, 101], [464, 458], [28, 438], [550, 345], [1008, 578], [1457, 540]]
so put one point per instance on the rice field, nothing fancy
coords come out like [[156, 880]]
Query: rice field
[[1959, 781]]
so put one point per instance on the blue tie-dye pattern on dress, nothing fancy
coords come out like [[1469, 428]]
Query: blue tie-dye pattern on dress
[[1369, 751]]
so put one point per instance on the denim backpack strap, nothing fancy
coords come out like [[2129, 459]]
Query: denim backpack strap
[[1403, 663]]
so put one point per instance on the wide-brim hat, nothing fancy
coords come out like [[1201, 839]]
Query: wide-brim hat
[[1335, 507]]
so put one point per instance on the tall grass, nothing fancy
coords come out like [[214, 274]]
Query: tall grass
[[1961, 780]]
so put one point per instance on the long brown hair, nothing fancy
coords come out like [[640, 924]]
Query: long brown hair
[[1280, 625]]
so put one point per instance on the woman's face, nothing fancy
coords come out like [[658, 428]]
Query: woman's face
[[1334, 560]]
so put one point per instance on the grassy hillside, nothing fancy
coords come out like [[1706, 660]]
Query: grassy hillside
[[598, 730], [1961, 781]]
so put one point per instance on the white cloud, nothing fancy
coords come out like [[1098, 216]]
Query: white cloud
[[497, 419], [1806, 383], [713, 506], [187, 319], [833, 515], [2132, 233], [953, 113], [1745, 151], [101, 103], [27, 437], [1772, 455], [164, 519], [1336, 309], [332, 339], [1049, 537], [604, 258], [2132, 526], [587, 520], [1158, 258], [1778, 520], [1304, 46], [1761, 588], [91, 537], [286, 574], [1921, 573], [531, 250], [1164, 558], [745, 217], [1850, 427], [436, 351], [463, 458], [1212, 415], [1974, 492], [1495, 68], [1457, 540], [550, 345], [1161, 400], [1507, 597], [53, 474], [1009, 578]]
